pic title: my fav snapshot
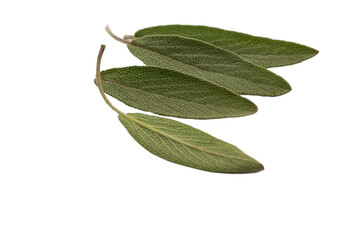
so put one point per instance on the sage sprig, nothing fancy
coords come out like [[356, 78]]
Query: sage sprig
[[207, 62], [170, 93], [195, 72], [265, 52], [180, 143]]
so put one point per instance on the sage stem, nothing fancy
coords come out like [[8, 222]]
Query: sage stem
[[107, 28], [99, 81]]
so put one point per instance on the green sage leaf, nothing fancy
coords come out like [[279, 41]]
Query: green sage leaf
[[170, 93], [265, 52], [188, 146], [209, 63]]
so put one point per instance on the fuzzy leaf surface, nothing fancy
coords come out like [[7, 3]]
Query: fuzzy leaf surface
[[170, 93], [188, 146], [262, 51], [209, 63]]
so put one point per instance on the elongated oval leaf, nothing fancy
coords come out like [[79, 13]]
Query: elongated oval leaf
[[265, 52], [170, 93], [188, 146], [208, 62]]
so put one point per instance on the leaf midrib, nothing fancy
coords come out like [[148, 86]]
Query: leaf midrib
[[180, 141], [273, 55], [237, 92], [214, 83], [157, 94]]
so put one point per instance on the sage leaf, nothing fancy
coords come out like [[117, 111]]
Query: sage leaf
[[188, 146], [170, 93], [208, 62], [180, 143], [262, 51]]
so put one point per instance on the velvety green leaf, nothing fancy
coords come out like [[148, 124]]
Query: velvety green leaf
[[188, 146], [170, 93], [265, 52], [209, 63]]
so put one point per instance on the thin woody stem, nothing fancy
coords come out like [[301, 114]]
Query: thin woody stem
[[129, 37], [107, 28], [99, 81]]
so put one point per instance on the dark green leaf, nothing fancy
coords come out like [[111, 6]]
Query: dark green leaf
[[170, 93], [188, 146], [209, 63], [265, 52]]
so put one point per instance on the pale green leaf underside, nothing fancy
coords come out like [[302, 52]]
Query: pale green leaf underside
[[170, 93], [209, 63], [185, 145], [265, 52]]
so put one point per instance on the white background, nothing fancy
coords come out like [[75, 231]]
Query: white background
[[69, 170]]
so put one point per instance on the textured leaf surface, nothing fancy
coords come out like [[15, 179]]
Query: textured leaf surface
[[209, 63], [171, 93], [265, 52], [185, 145]]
